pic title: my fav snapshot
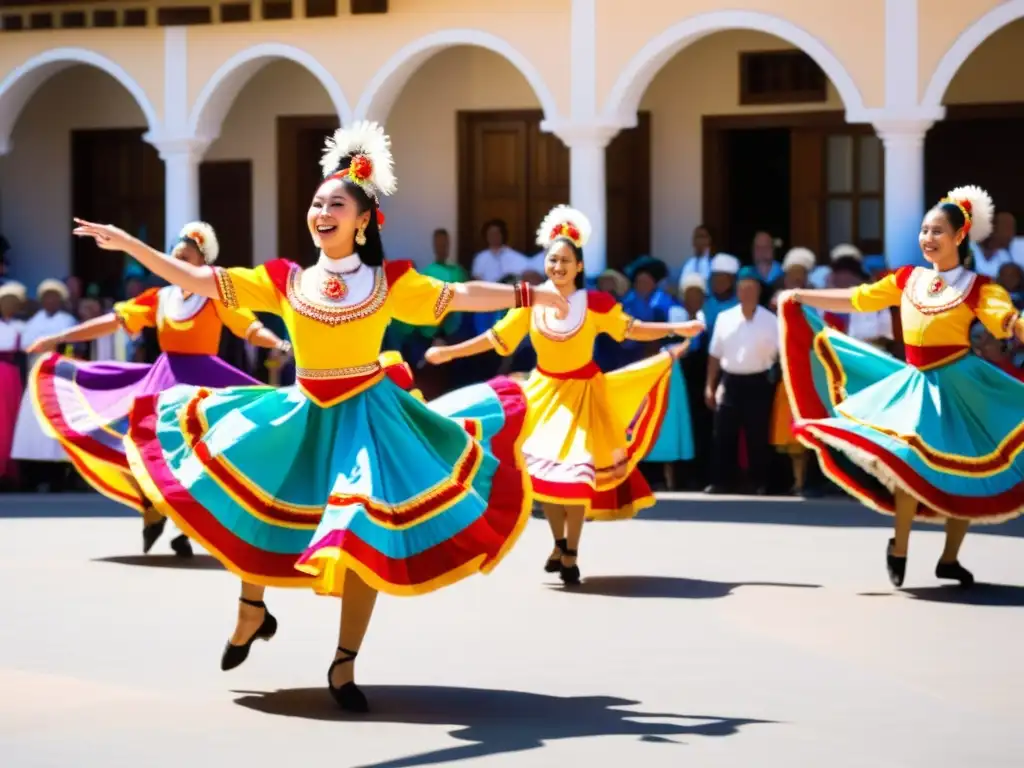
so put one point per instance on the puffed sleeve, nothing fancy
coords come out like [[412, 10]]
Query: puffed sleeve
[[253, 289], [609, 315], [995, 310], [882, 294], [509, 332], [416, 299], [138, 313], [241, 322]]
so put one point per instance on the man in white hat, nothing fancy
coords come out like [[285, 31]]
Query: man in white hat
[[722, 288], [47, 467]]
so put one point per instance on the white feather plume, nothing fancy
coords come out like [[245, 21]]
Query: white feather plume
[[204, 237], [364, 138], [982, 210], [563, 214]]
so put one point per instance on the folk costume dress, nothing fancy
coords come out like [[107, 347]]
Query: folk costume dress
[[578, 416], [345, 469], [87, 404], [945, 427]]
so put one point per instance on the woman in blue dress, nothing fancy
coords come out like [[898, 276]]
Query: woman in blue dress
[[938, 438], [344, 483]]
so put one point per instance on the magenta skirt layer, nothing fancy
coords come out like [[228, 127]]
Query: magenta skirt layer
[[10, 401], [87, 406]]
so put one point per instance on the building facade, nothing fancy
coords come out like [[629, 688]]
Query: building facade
[[822, 122]]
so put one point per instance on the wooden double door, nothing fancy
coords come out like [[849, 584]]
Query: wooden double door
[[511, 170], [118, 178]]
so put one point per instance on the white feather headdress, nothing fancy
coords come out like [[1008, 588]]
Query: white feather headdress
[[978, 209], [563, 221], [372, 165], [203, 237]]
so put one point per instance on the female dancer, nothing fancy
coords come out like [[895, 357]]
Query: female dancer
[[344, 483], [938, 437], [86, 404], [585, 432], [12, 297]]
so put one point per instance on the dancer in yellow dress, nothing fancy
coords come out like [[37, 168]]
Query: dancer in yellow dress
[[586, 432]]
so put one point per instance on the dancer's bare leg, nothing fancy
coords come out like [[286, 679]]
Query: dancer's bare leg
[[555, 514], [573, 530], [799, 462], [906, 508], [357, 602], [249, 616], [956, 530]]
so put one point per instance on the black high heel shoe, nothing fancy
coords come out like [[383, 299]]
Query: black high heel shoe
[[554, 565], [152, 532], [570, 574], [897, 566], [235, 655], [955, 572], [182, 546], [349, 697]]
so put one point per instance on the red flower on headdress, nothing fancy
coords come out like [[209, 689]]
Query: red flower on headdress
[[360, 169], [380, 220], [566, 230], [197, 236]]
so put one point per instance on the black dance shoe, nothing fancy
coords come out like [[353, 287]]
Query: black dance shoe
[[897, 566], [182, 546], [570, 574], [349, 697], [554, 565], [235, 655], [152, 532], [955, 572]]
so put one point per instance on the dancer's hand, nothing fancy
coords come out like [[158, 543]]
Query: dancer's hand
[[709, 398], [783, 296], [678, 350], [45, 344], [620, 463], [689, 329], [548, 296], [107, 236], [437, 355]]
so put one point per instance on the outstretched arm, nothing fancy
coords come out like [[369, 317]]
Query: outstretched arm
[[828, 299], [443, 353], [477, 296], [87, 331], [193, 279], [641, 331]]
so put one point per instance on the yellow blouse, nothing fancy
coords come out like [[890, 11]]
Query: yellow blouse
[[938, 309], [562, 352], [336, 347], [198, 330]]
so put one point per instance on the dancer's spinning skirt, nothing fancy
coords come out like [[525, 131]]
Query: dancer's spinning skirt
[[675, 439], [950, 436], [577, 421], [86, 406], [410, 497]]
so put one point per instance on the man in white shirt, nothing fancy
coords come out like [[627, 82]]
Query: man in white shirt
[[498, 260], [744, 348]]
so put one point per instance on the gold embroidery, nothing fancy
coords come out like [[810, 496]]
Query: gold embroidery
[[226, 288], [929, 299], [335, 315], [443, 300], [337, 373]]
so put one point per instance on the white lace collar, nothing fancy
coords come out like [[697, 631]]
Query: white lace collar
[[547, 321], [173, 305], [358, 278]]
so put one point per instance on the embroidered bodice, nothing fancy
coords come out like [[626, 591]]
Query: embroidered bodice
[[337, 341], [937, 310], [566, 345], [185, 325]]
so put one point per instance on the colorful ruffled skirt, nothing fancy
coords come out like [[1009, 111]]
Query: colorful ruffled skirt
[[10, 402], [86, 406], [576, 423], [675, 439], [410, 496], [952, 437]]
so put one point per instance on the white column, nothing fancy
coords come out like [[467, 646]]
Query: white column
[[181, 181], [588, 190], [904, 188]]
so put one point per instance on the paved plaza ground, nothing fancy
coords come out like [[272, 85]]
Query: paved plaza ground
[[709, 633]]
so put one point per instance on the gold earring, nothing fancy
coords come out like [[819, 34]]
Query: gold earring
[[361, 235]]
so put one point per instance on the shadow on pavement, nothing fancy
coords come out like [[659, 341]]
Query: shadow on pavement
[[998, 595], [493, 722], [664, 586], [194, 563]]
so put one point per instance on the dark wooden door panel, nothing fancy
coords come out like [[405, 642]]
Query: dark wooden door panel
[[628, 181], [806, 188], [225, 202], [300, 143]]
